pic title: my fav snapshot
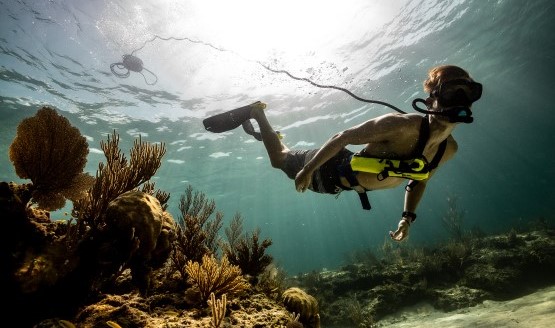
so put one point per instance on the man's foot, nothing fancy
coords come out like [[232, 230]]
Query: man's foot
[[249, 129], [257, 109]]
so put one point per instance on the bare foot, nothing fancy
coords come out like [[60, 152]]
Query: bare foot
[[257, 109]]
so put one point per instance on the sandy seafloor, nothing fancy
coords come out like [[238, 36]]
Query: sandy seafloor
[[535, 310]]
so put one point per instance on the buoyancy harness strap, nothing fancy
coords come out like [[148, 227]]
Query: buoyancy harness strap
[[432, 165], [347, 171], [423, 137]]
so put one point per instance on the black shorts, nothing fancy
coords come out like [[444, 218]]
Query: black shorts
[[296, 160], [326, 178]]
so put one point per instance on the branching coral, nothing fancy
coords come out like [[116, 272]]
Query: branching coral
[[201, 209], [162, 196], [52, 153], [213, 277], [218, 308], [272, 282], [245, 250], [118, 176], [197, 230], [294, 321]]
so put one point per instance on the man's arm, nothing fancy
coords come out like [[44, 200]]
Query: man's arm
[[412, 199], [328, 150]]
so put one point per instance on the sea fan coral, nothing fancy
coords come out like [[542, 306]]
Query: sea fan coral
[[52, 153], [213, 277]]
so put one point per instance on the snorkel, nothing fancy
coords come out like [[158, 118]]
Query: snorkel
[[456, 97], [455, 114]]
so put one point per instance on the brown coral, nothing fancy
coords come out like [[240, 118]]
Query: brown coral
[[213, 277], [118, 175], [197, 230], [52, 153], [245, 250], [298, 301], [218, 308], [139, 233]]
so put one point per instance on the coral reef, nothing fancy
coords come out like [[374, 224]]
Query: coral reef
[[52, 153], [85, 271], [118, 225], [168, 310], [450, 276], [56, 266]]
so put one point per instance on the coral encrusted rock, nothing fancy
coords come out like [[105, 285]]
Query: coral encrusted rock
[[143, 234], [298, 301]]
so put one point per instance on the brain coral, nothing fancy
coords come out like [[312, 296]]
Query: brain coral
[[52, 153], [141, 234], [298, 301]]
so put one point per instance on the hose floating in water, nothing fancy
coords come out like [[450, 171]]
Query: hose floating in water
[[133, 63]]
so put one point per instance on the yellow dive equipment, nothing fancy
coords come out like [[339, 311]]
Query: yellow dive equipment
[[415, 169]]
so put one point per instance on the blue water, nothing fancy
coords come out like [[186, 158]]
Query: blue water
[[58, 53]]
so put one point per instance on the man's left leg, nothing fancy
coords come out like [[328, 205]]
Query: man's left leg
[[277, 151]]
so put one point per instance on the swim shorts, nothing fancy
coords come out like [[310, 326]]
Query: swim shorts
[[326, 178]]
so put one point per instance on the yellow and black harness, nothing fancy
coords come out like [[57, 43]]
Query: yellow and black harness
[[416, 168]]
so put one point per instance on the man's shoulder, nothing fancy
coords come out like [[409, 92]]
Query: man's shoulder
[[409, 116], [451, 147], [398, 119], [451, 140]]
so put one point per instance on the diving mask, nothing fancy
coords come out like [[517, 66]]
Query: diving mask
[[458, 92]]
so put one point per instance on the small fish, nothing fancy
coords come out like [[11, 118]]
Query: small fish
[[171, 313], [113, 324]]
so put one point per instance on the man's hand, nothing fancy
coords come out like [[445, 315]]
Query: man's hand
[[402, 231], [303, 180]]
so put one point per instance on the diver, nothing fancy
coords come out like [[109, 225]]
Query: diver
[[396, 147]]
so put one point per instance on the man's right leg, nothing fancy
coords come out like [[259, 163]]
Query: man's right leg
[[277, 151]]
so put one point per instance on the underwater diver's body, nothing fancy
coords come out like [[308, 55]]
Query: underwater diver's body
[[390, 136]]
